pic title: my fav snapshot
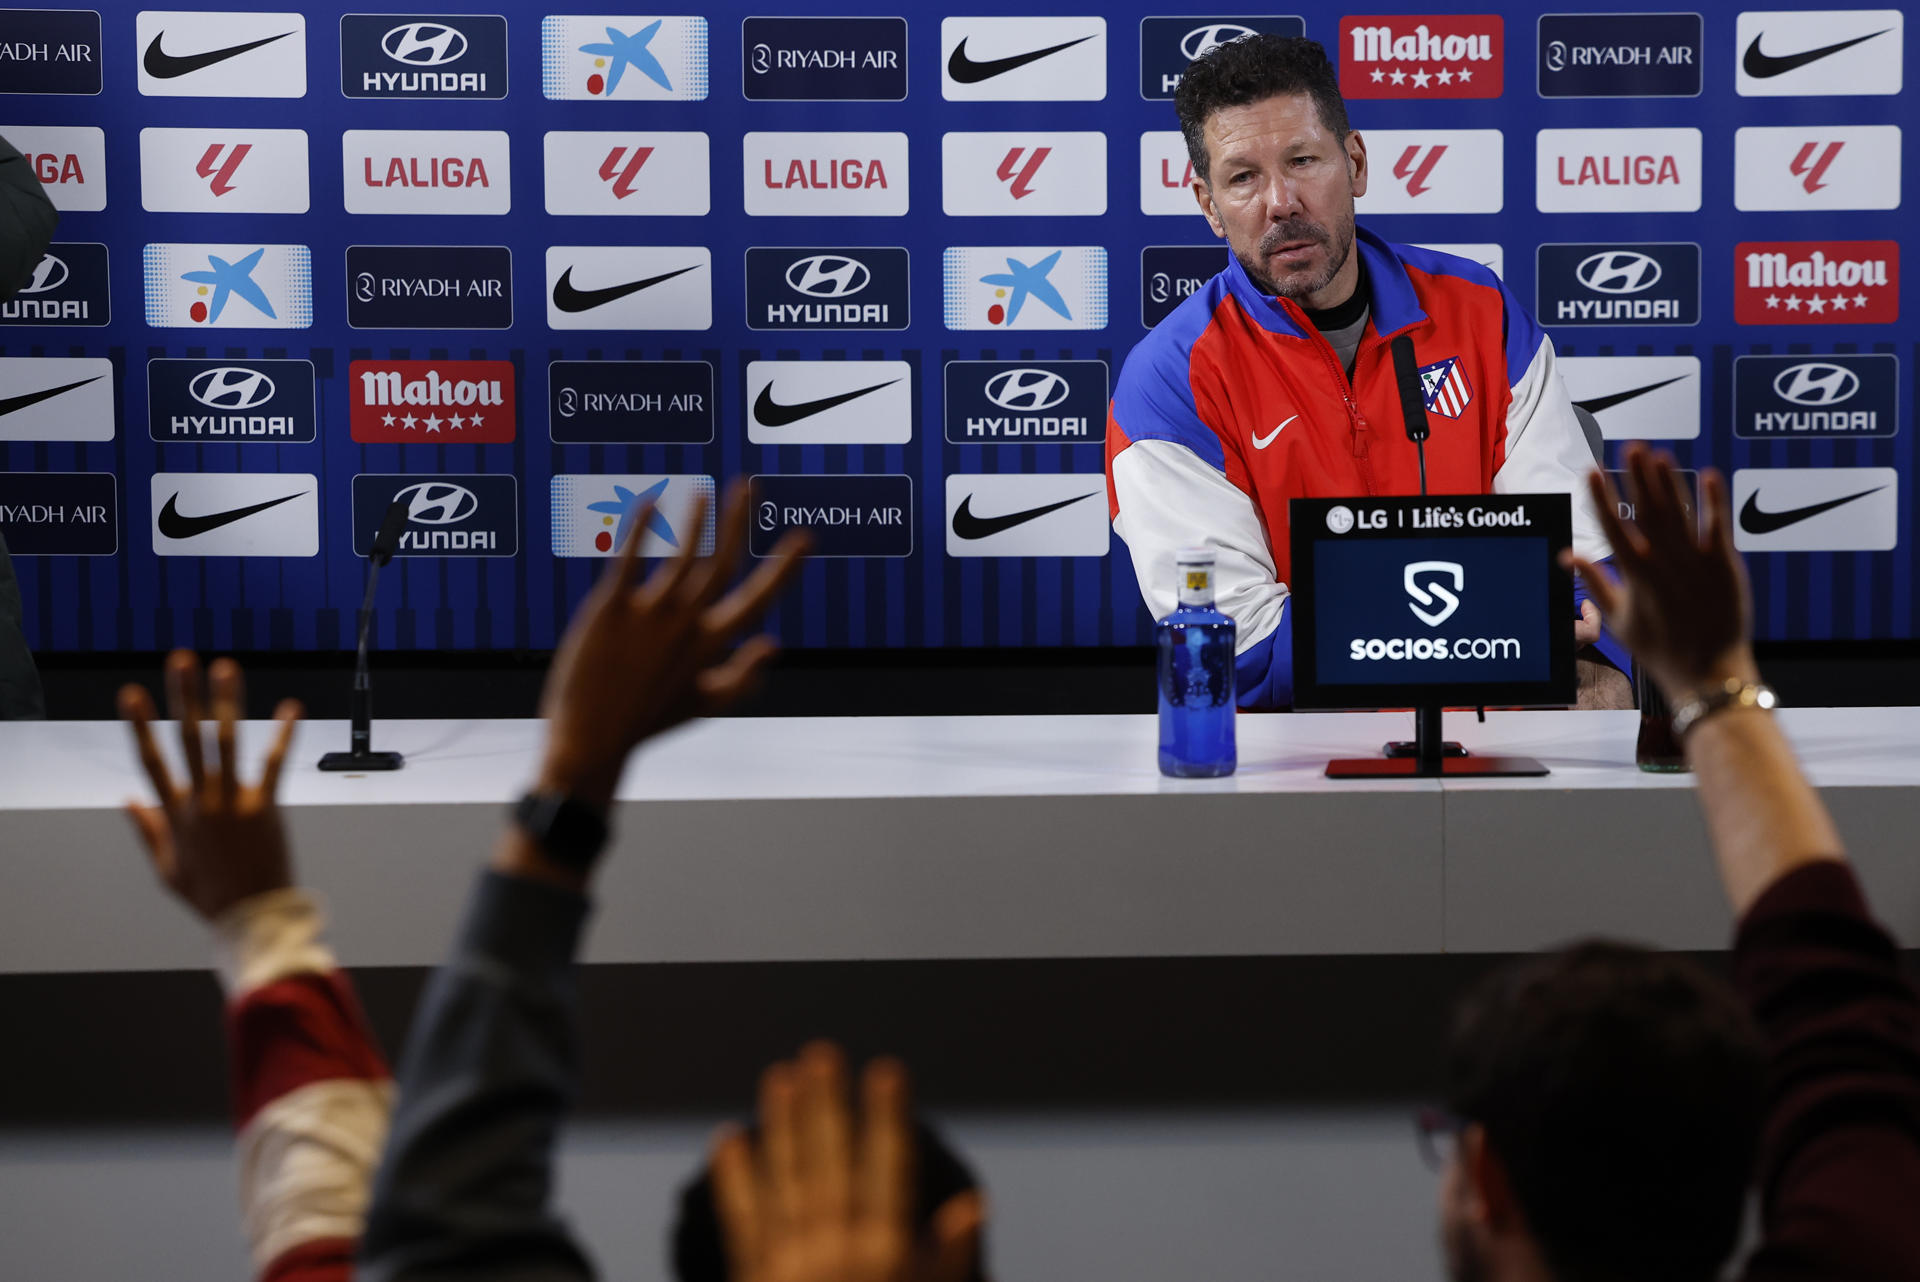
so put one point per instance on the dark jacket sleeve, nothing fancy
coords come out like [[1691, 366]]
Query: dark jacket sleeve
[[490, 1070], [27, 221], [1840, 1153]]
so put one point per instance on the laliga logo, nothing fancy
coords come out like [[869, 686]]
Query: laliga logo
[[363, 287], [44, 278], [762, 59], [1618, 271], [1204, 40], [231, 387], [438, 502], [424, 44], [1557, 56], [828, 276], [1427, 593], [768, 515], [1026, 390], [1816, 383]]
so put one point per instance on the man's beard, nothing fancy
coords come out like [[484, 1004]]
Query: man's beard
[[1298, 229]]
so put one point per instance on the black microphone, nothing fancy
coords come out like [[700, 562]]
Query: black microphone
[[1413, 402], [360, 736]]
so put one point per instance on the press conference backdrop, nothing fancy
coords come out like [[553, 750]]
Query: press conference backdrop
[[529, 271]]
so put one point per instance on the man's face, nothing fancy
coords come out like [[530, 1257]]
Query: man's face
[[1280, 190]]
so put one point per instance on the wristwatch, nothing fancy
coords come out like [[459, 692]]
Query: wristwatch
[[568, 831], [1732, 693]]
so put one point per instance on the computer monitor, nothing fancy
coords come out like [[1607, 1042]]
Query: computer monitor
[[1447, 600]]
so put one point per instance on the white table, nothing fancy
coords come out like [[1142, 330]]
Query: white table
[[968, 837]]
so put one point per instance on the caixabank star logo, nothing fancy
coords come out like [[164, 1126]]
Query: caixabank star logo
[[229, 286], [1026, 287], [622, 58]]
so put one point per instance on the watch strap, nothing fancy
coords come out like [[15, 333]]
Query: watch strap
[[1732, 693], [570, 832]]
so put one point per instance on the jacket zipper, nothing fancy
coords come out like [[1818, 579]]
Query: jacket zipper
[[1357, 425]]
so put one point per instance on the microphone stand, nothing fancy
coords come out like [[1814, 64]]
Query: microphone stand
[[361, 755]]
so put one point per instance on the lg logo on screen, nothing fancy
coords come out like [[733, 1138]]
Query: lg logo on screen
[[1425, 593]]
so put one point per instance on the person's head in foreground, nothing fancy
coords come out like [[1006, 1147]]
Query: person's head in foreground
[[1276, 167], [1605, 1107]]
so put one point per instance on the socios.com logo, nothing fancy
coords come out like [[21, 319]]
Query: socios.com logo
[[438, 502], [1425, 592], [1027, 391], [828, 276], [1816, 383], [231, 387], [1618, 271], [424, 44], [1204, 40], [50, 274]]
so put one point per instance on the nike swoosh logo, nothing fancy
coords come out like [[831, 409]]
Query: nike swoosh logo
[[10, 404], [969, 526], [770, 413], [966, 71], [1762, 66], [1755, 521], [569, 299], [162, 65], [1599, 403], [1261, 442], [175, 526]]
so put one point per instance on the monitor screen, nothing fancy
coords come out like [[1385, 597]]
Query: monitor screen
[[1442, 600]]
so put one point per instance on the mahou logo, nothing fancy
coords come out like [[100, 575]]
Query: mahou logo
[[431, 402], [1816, 282], [1423, 56]]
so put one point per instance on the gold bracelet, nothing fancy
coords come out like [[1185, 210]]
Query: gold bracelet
[[1732, 693]]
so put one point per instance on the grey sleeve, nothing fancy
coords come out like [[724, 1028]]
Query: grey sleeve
[[27, 221], [490, 1070]]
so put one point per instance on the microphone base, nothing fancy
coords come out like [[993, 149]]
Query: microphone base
[[358, 761]]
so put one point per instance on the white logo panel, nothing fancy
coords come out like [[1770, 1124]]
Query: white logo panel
[[1581, 171], [615, 172], [235, 514], [56, 398], [69, 160], [1816, 509], [1026, 287], [629, 287], [592, 515], [197, 54], [829, 402], [1434, 171], [426, 171], [1023, 59], [224, 171], [1008, 514], [1817, 167], [1166, 174], [622, 58], [833, 174], [1812, 52], [1637, 398], [1023, 173], [229, 286], [1491, 257]]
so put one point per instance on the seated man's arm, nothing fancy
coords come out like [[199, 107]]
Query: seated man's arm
[[27, 220], [1167, 489]]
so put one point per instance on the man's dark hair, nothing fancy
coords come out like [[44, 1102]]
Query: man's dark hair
[[700, 1256], [1621, 1089], [1253, 69]]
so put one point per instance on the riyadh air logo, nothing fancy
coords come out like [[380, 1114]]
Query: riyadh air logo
[[1445, 386], [824, 59], [188, 54], [1824, 398], [1021, 287], [1023, 59], [1023, 173], [615, 59], [1425, 590], [1830, 167], [1618, 271], [593, 515], [1435, 171], [229, 286], [389, 55], [223, 171], [50, 51], [1813, 52], [627, 173]]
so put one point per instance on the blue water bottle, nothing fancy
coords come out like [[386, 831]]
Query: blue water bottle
[[1195, 645]]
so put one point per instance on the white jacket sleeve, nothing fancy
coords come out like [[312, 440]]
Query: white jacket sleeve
[[1547, 452]]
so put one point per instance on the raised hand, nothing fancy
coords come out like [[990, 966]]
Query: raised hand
[[822, 1198], [640, 658], [1681, 603], [213, 840]]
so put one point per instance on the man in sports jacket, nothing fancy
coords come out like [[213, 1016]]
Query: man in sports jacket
[[1275, 381]]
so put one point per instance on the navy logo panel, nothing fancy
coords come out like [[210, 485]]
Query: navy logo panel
[[241, 399], [633, 402]]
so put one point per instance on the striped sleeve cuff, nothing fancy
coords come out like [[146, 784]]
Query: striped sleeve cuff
[[269, 937]]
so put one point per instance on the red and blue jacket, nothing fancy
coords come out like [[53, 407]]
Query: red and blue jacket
[[1235, 404]]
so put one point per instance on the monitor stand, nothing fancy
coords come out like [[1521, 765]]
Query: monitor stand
[[1432, 757]]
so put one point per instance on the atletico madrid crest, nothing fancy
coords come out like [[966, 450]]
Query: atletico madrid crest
[[1446, 388]]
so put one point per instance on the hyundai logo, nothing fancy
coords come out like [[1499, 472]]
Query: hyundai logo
[[438, 502], [1816, 383], [1204, 40], [1027, 391], [424, 44], [231, 387], [1618, 271], [762, 59], [50, 274], [828, 276]]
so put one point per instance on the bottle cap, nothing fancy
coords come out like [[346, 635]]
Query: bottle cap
[[1194, 556]]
